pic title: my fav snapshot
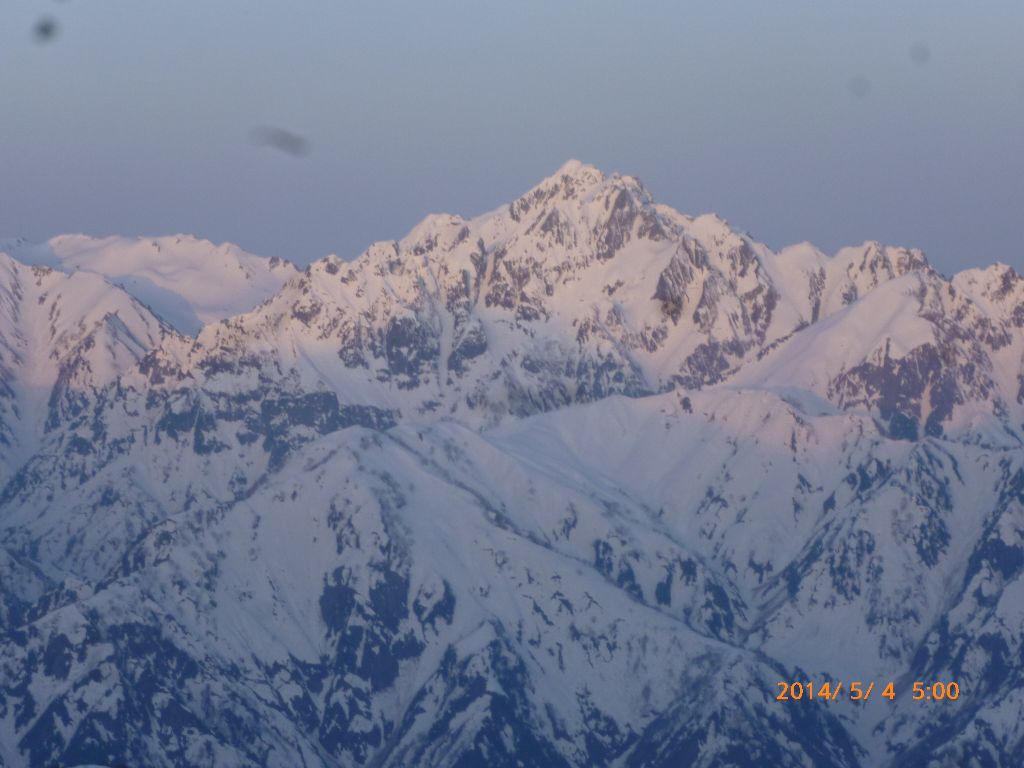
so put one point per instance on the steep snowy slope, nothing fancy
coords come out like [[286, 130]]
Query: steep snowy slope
[[853, 555], [63, 338], [924, 354], [598, 586], [574, 482], [410, 598], [188, 282]]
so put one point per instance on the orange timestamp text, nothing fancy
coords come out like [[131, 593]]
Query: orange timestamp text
[[861, 691]]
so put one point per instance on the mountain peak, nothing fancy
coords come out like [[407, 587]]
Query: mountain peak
[[572, 181], [577, 168]]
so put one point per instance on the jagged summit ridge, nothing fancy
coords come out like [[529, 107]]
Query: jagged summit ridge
[[582, 287]]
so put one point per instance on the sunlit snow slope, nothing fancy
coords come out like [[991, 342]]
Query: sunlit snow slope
[[188, 282]]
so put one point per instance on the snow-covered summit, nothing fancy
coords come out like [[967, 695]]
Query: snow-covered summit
[[189, 282]]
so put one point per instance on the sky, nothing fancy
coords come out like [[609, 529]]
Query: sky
[[302, 129]]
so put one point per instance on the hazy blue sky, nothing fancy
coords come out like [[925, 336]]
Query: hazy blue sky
[[826, 120]]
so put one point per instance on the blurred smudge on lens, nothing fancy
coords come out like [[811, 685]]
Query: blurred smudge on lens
[[920, 53], [45, 29], [281, 140], [860, 87]]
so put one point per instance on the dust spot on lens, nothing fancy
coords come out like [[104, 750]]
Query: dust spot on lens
[[860, 87], [920, 53], [284, 141], [45, 29]]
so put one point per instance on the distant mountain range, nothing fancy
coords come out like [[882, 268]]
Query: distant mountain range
[[187, 282], [575, 482]]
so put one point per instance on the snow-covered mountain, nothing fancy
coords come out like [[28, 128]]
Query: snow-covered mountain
[[63, 339], [575, 482], [187, 282]]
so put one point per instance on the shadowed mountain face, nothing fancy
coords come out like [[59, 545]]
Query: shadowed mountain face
[[575, 482]]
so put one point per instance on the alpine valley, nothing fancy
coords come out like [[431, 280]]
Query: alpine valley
[[576, 482]]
